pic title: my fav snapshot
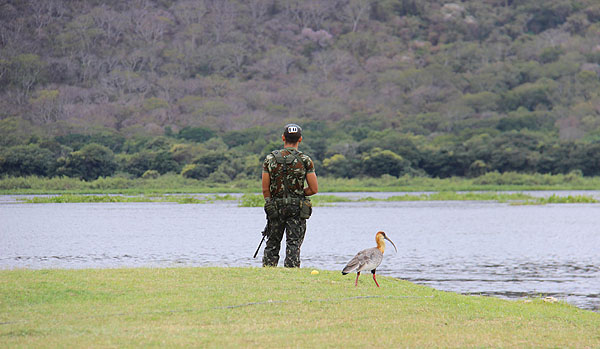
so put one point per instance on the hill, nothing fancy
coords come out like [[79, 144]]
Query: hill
[[425, 88]]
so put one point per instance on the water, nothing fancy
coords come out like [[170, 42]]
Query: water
[[467, 247]]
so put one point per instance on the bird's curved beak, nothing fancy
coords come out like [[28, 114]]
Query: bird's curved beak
[[392, 243]]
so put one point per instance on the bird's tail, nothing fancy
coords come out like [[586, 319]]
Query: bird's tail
[[353, 264]]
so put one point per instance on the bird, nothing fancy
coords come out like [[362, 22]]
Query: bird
[[368, 259]]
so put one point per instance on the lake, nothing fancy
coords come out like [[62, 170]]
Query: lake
[[469, 247]]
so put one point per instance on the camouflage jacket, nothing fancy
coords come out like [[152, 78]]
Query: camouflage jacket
[[296, 173]]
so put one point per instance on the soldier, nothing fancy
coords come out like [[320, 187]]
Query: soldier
[[286, 204]]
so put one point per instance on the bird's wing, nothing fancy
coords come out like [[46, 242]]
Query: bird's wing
[[373, 259], [361, 259]]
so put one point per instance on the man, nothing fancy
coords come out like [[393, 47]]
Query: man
[[284, 174]]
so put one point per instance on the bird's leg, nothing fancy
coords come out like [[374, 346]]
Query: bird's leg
[[374, 279], [356, 282]]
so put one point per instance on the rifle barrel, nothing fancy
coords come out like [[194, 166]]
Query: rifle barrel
[[264, 234], [260, 244]]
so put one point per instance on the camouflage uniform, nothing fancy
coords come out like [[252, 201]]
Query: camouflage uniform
[[287, 219]]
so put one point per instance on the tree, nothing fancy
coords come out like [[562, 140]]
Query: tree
[[164, 162], [482, 101], [139, 163], [26, 160], [277, 61], [591, 159], [515, 152], [14, 131], [47, 106], [4, 70], [339, 166], [26, 71], [530, 95], [356, 10], [258, 10], [150, 25], [360, 44], [446, 161], [222, 19], [196, 134], [311, 14], [379, 162], [189, 11], [560, 157], [237, 138], [89, 163], [195, 171], [546, 15]]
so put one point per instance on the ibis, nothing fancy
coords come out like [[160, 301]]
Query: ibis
[[368, 259]]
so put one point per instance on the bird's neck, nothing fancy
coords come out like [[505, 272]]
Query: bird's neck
[[380, 243]]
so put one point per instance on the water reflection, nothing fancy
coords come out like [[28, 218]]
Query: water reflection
[[468, 247]]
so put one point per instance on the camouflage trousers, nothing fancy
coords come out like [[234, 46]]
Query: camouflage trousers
[[294, 228]]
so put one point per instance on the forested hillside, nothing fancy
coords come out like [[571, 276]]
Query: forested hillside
[[203, 87]]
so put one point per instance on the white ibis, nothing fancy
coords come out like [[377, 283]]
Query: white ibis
[[368, 259]]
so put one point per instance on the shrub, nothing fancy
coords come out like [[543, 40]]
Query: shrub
[[25, 160], [92, 161]]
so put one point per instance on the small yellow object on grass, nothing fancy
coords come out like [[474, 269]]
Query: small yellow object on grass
[[314, 272]]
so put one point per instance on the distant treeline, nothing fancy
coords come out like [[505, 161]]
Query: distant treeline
[[347, 152], [202, 88]]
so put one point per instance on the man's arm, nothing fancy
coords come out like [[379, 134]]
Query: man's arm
[[313, 185], [266, 185]]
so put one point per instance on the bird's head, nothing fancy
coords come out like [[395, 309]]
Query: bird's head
[[380, 236]]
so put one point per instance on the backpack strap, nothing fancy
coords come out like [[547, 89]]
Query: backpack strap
[[285, 160], [296, 155], [288, 159]]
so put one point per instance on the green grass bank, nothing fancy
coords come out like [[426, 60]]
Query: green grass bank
[[274, 307], [256, 200], [173, 183]]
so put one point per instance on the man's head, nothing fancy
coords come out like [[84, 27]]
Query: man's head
[[292, 133]]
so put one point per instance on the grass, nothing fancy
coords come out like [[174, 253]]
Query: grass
[[470, 196], [166, 184], [256, 200], [72, 198], [569, 199], [252, 200], [174, 183], [512, 198], [271, 307]]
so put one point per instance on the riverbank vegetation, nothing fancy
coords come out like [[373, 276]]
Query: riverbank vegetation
[[256, 200], [173, 183], [202, 88], [70, 198], [269, 307]]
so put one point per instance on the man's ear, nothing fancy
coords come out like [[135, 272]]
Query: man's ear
[[300, 139], [283, 138]]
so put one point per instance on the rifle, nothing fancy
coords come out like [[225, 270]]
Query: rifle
[[264, 235]]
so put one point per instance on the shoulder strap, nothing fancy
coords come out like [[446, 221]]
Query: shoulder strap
[[296, 154], [288, 159], [278, 156]]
